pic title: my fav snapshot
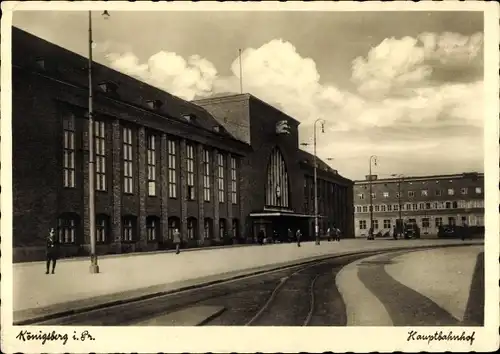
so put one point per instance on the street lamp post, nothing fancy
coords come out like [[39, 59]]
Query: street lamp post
[[401, 179], [316, 226], [373, 159], [94, 267]]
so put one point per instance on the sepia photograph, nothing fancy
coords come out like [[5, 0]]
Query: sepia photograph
[[284, 177]]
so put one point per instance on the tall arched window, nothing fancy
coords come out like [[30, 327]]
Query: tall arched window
[[277, 187]]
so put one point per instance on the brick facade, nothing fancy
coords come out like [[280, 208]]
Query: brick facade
[[242, 127]]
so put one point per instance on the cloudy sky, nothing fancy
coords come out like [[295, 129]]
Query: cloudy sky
[[405, 86]]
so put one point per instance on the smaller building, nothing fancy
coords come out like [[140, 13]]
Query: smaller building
[[428, 201]]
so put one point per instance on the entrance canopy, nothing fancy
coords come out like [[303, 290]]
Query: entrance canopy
[[279, 213]]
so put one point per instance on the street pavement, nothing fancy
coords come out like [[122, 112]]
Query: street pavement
[[34, 290], [442, 286]]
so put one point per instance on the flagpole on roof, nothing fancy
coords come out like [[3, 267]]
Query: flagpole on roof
[[241, 72]]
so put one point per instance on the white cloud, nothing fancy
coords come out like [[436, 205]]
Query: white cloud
[[393, 80], [169, 71]]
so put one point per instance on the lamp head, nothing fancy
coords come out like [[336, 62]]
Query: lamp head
[[322, 127], [106, 14]]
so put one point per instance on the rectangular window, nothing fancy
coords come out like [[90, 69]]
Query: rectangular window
[[365, 209], [396, 207], [382, 208], [172, 168], [374, 196], [69, 151], [101, 226], [424, 192], [411, 194], [375, 224], [128, 229], [464, 191], [128, 160], [415, 206], [220, 176], [152, 228], [362, 224], [421, 206], [234, 186], [451, 191], [439, 222], [190, 172], [67, 230], [478, 190], [408, 206], [435, 205], [377, 208], [100, 155], [397, 195], [206, 175], [151, 157], [386, 194], [387, 224], [389, 207], [358, 209], [438, 192], [361, 196], [425, 222]]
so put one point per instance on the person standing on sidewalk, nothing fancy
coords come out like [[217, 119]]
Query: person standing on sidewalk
[[298, 235], [290, 235], [337, 234], [52, 251], [177, 241]]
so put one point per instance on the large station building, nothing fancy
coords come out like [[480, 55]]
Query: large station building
[[428, 201], [219, 169]]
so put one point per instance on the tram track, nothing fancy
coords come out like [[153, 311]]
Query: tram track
[[299, 295]]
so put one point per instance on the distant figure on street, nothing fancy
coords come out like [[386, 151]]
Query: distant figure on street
[[370, 233], [260, 237], [337, 234], [329, 234], [177, 241], [465, 231], [298, 235], [52, 250], [290, 235]]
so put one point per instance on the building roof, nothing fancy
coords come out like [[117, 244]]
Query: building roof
[[72, 67], [228, 96], [422, 178], [307, 159]]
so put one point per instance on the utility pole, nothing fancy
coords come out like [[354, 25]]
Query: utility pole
[[400, 223], [94, 267], [316, 225]]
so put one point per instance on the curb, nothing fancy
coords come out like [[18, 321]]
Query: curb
[[246, 273]]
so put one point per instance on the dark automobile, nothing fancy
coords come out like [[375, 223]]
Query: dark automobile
[[411, 231]]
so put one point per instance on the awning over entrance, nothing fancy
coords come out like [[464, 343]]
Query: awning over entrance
[[264, 214]]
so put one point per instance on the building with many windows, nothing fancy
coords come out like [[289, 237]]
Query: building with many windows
[[428, 201], [220, 170]]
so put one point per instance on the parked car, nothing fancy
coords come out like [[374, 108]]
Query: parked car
[[411, 231]]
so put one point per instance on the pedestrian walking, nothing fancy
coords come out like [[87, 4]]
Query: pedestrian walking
[[298, 235], [329, 234], [290, 235], [177, 241], [52, 251], [337, 234]]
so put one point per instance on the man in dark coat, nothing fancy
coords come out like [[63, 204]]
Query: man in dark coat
[[290, 235], [52, 251]]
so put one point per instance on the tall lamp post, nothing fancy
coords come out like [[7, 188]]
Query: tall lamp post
[[373, 159], [94, 267], [316, 226], [401, 179]]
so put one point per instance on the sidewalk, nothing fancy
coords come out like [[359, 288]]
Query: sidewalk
[[33, 289], [439, 278]]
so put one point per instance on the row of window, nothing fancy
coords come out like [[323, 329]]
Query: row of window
[[462, 204], [424, 193], [68, 227], [69, 153], [424, 222]]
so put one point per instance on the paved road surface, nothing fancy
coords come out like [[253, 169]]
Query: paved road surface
[[308, 296]]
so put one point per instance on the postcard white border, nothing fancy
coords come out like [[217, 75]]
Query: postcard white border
[[279, 339]]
